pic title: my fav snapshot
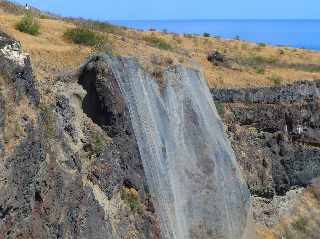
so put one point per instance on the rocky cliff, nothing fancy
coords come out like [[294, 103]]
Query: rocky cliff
[[70, 166], [275, 133]]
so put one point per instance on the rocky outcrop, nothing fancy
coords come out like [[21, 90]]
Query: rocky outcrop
[[16, 65], [216, 58], [275, 133], [70, 166]]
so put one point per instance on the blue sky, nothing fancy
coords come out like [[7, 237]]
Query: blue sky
[[181, 9]]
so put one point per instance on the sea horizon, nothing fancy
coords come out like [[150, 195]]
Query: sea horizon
[[297, 33]]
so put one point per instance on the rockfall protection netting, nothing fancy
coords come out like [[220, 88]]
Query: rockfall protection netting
[[192, 174]]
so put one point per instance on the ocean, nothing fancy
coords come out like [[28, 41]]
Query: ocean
[[294, 33]]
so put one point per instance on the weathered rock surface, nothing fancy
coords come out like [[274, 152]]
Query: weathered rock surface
[[275, 133], [70, 167]]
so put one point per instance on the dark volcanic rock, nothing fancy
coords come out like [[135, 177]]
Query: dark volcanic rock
[[105, 105], [284, 132], [216, 58], [16, 66], [65, 165]]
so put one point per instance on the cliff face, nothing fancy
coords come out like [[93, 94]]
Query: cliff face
[[283, 127], [275, 135], [70, 165]]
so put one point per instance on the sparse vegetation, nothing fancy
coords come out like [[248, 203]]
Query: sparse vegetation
[[96, 144], [177, 38], [206, 34], [131, 196], [28, 24], [260, 71], [300, 225], [103, 45], [258, 60], [246, 60], [98, 26], [277, 80], [83, 36], [264, 60], [157, 42], [48, 121], [44, 16], [187, 35], [220, 108]]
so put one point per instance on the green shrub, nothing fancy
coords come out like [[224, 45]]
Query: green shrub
[[131, 196], [98, 26], [220, 108], [28, 24], [97, 143], [206, 34], [262, 44], [157, 42], [44, 16], [187, 35], [83, 36]]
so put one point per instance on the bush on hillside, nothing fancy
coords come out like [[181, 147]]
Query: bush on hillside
[[157, 42], [98, 26], [83, 36], [206, 34], [28, 24]]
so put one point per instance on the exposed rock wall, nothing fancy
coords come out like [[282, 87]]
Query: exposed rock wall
[[275, 133], [70, 167]]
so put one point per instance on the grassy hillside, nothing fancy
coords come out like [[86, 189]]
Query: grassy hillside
[[246, 64]]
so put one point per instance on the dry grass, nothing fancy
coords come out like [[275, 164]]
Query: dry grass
[[300, 221], [52, 54], [49, 51]]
